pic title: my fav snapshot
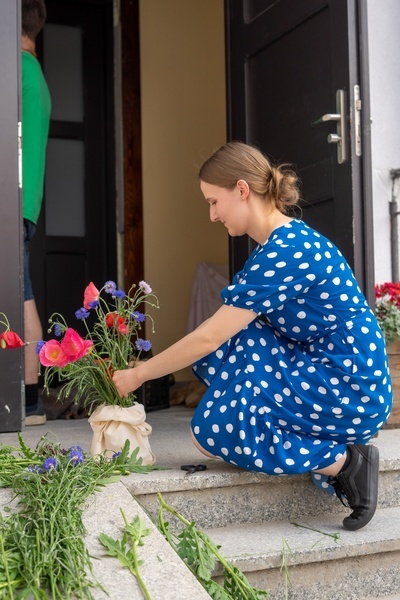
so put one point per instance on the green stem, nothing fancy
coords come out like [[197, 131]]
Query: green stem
[[225, 564], [135, 570], [3, 553], [335, 536]]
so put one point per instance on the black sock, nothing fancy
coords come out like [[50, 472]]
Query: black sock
[[31, 394], [346, 462]]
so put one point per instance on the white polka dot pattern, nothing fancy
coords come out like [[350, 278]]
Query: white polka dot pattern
[[310, 372]]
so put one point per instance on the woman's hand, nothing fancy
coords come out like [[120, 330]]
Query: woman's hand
[[126, 381]]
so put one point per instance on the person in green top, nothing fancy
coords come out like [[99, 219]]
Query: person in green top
[[36, 107]]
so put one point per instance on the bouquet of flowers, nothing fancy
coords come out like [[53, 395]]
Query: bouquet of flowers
[[387, 309], [86, 364]]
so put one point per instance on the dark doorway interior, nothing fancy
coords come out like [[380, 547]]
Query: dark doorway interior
[[76, 238]]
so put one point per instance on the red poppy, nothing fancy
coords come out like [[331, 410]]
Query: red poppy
[[90, 296], [115, 320], [10, 340]]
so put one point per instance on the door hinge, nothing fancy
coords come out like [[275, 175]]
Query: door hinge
[[19, 154], [357, 119]]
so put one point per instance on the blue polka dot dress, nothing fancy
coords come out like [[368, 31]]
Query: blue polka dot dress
[[308, 375]]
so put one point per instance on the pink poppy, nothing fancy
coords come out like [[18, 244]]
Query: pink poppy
[[52, 355], [10, 340], [74, 346], [90, 296]]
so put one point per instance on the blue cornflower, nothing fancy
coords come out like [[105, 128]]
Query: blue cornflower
[[138, 316], [57, 330], [94, 304], [50, 463], [39, 346], [144, 345], [75, 448], [110, 287], [34, 469], [119, 294], [75, 455], [82, 313], [116, 454]]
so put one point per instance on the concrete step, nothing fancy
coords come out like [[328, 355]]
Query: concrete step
[[251, 516], [224, 495], [242, 511], [324, 561], [391, 597]]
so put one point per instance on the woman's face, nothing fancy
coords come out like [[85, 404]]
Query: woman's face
[[227, 206]]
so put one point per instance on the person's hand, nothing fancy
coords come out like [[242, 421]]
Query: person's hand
[[126, 381]]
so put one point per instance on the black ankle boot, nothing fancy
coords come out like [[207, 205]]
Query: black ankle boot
[[358, 483]]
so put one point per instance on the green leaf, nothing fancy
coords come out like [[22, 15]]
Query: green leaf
[[201, 554], [110, 479], [137, 529], [216, 591], [116, 548], [24, 448], [113, 546]]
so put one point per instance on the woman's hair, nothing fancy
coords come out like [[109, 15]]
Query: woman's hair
[[33, 17], [236, 160]]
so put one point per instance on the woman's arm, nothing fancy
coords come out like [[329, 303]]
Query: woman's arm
[[208, 336]]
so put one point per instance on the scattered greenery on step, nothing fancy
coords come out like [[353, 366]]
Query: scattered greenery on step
[[42, 549], [201, 555], [126, 549], [335, 536], [284, 567]]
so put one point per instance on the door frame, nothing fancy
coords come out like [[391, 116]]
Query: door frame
[[12, 393], [130, 212], [367, 190]]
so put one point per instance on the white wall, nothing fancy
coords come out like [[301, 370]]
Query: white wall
[[384, 62]]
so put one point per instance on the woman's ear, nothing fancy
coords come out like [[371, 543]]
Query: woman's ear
[[243, 188]]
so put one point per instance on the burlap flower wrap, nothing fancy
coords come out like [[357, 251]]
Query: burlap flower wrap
[[113, 425]]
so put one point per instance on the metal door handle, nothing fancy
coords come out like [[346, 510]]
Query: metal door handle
[[327, 117], [339, 116]]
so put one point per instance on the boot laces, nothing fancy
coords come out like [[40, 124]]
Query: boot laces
[[340, 492]]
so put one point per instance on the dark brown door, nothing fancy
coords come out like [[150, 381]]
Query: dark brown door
[[289, 61], [75, 242]]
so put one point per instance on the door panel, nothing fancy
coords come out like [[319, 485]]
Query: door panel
[[75, 242], [285, 61]]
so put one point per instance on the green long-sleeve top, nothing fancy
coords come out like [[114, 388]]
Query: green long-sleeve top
[[36, 108]]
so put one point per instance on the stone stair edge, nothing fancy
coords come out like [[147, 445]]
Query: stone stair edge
[[259, 546], [176, 480]]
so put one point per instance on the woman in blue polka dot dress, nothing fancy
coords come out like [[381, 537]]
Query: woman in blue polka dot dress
[[294, 361]]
